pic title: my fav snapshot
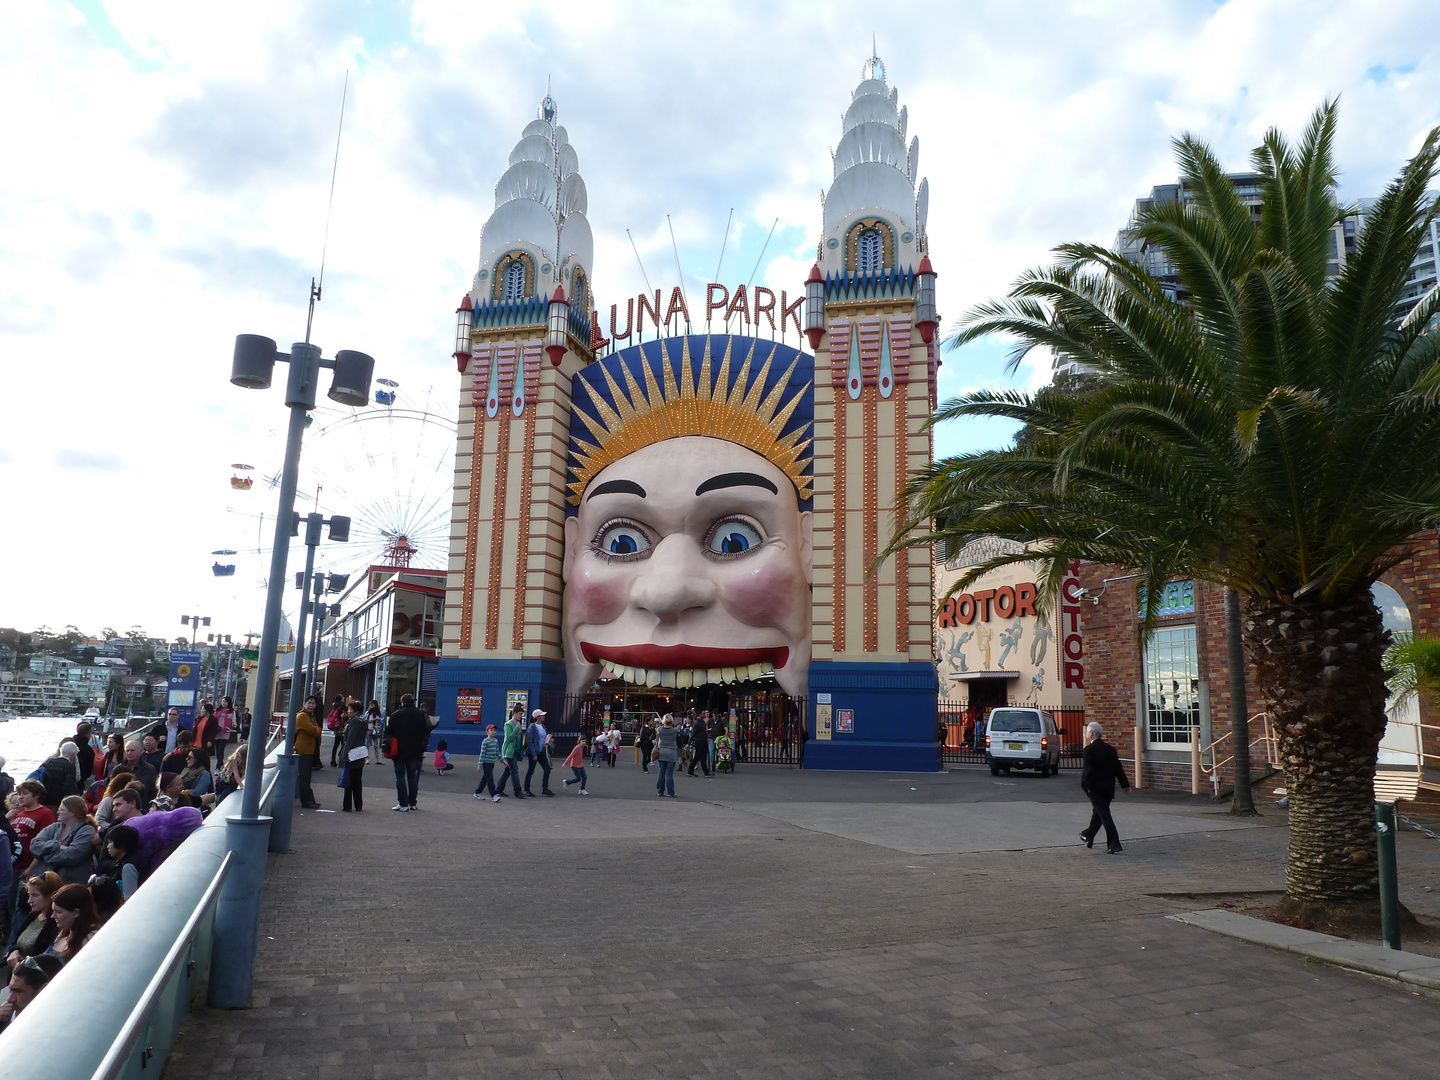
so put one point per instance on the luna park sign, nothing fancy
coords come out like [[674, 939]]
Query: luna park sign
[[750, 304]]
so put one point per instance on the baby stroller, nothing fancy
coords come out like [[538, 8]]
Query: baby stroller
[[724, 754]]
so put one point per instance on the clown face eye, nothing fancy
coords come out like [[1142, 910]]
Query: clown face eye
[[621, 540], [733, 537]]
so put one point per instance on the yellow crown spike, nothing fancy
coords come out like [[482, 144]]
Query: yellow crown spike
[[660, 409]]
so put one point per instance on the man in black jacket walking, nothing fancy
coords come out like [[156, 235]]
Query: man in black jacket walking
[[410, 729], [1101, 769], [700, 744]]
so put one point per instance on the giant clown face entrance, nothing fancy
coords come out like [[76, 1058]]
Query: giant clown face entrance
[[688, 542]]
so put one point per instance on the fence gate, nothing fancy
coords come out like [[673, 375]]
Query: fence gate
[[769, 727]]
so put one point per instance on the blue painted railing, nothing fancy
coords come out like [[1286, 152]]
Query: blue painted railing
[[114, 1011]]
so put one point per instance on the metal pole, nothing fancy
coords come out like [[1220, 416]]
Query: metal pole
[[283, 810], [237, 916], [1389, 881], [318, 582]]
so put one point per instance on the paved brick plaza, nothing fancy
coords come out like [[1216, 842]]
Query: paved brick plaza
[[779, 924]]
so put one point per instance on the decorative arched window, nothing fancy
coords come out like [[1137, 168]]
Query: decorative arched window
[[871, 252], [577, 290], [514, 281]]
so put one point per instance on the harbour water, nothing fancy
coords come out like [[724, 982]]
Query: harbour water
[[26, 741]]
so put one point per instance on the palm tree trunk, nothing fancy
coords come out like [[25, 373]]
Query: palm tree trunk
[[1320, 666], [1243, 801]]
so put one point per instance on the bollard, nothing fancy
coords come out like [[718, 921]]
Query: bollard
[[282, 809], [1389, 882], [237, 915]]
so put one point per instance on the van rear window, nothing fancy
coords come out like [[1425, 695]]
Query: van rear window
[[1014, 720]]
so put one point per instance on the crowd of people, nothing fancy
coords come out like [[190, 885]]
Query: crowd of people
[[691, 741], [88, 826], [362, 735]]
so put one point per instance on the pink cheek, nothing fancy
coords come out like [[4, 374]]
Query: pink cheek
[[762, 595], [598, 595]]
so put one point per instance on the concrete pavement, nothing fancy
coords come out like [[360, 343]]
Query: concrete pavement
[[783, 923]]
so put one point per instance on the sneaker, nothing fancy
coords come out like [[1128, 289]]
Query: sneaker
[[414, 807], [400, 807], [478, 795], [495, 798], [584, 792], [567, 783], [550, 793]]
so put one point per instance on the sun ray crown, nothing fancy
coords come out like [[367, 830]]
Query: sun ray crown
[[704, 406]]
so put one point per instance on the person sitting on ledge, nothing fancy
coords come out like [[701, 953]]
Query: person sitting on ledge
[[73, 910], [30, 976]]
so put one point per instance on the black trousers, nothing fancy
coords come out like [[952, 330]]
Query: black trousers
[[1100, 815], [304, 765], [352, 789], [544, 762]]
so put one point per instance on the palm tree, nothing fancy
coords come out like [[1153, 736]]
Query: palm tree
[[1415, 661], [1268, 428]]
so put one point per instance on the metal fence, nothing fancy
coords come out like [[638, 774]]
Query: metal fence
[[769, 727], [964, 734]]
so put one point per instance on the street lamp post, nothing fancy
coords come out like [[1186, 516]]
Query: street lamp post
[[237, 913], [283, 808]]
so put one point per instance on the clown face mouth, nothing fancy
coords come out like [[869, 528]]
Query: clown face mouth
[[684, 666]]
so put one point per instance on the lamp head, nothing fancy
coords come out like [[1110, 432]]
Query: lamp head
[[254, 361], [351, 385]]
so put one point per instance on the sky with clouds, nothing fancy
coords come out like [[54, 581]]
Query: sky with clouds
[[168, 165]]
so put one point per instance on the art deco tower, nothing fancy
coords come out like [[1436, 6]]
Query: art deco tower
[[532, 290], [870, 316]]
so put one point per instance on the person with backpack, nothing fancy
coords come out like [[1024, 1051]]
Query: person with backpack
[[410, 728], [537, 749], [335, 723]]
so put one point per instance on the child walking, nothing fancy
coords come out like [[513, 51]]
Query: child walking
[[442, 759], [576, 762], [489, 754]]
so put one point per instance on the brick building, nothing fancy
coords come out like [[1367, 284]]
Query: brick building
[[1179, 678]]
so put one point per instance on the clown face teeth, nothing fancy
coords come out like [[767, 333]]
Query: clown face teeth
[[754, 671], [713, 675], [667, 678], [652, 678]]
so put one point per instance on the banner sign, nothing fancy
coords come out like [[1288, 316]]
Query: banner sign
[[184, 686]]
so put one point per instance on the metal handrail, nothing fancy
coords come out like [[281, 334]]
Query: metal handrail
[[1266, 738], [119, 1052]]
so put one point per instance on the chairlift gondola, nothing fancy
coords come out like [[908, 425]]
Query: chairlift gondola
[[242, 483], [387, 396], [223, 569]]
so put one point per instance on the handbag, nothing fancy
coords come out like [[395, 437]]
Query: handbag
[[343, 780], [358, 753], [392, 748]]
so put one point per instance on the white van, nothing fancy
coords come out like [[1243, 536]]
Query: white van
[[1021, 738]]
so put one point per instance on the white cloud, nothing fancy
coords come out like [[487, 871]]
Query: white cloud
[[166, 182]]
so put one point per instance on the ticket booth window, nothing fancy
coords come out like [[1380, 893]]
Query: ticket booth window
[[1172, 686]]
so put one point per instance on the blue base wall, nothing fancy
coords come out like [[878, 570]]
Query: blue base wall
[[894, 707], [544, 679]]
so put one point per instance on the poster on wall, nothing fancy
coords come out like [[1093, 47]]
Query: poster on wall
[[845, 721], [467, 706], [822, 722], [517, 697]]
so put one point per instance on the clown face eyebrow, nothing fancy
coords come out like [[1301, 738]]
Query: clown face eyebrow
[[616, 487], [736, 479]]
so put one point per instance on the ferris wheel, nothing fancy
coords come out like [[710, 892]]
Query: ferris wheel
[[389, 467]]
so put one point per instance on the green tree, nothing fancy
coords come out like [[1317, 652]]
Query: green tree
[[1415, 661], [1269, 429]]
